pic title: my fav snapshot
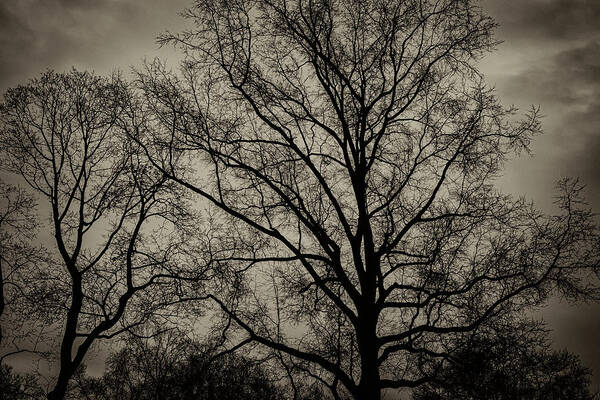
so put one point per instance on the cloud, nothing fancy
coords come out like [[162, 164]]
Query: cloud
[[568, 86], [90, 34], [582, 62], [546, 19], [551, 57]]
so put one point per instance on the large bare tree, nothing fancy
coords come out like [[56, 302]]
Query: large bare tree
[[118, 225], [351, 150]]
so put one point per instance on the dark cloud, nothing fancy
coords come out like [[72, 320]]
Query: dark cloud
[[582, 129], [567, 77], [566, 85], [526, 20], [91, 34], [551, 57], [581, 63]]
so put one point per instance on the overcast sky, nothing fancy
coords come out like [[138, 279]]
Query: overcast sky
[[550, 57]]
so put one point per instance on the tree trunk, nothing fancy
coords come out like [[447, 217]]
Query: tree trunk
[[369, 387], [67, 365], [60, 389]]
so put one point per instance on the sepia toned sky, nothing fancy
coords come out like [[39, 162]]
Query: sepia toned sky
[[550, 56]]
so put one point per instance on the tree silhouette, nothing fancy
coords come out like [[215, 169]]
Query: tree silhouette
[[514, 362], [18, 387], [347, 152], [170, 367], [118, 226]]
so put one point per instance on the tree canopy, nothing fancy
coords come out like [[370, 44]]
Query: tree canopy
[[350, 150], [118, 225], [510, 362], [171, 367]]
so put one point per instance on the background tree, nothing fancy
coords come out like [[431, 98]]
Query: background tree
[[351, 149], [118, 225], [513, 363], [18, 387], [172, 367]]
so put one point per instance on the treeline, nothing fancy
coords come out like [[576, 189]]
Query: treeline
[[172, 367]]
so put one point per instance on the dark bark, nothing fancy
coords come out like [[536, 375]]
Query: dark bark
[[369, 386], [62, 383]]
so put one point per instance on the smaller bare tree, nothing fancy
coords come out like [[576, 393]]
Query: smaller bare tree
[[119, 226], [509, 360]]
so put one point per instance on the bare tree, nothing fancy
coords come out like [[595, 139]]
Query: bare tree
[[514, 361], [18, 387], [170, 366], [351, 149], [118, 225]]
